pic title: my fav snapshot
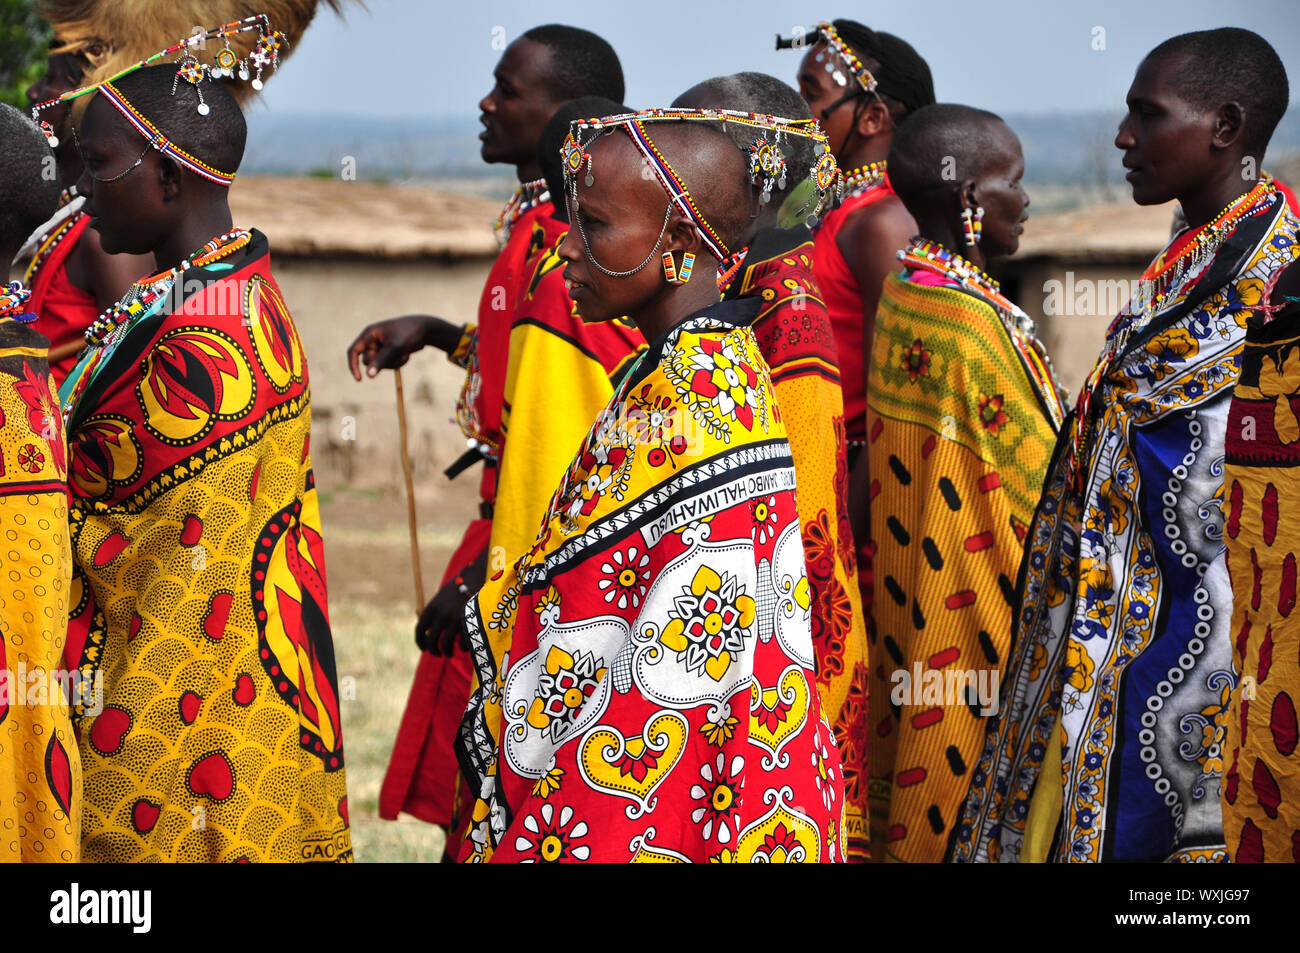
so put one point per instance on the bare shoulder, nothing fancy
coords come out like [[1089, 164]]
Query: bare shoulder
[[884, 224]]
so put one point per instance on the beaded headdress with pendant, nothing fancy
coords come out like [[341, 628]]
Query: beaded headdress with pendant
[[766, 163], [839, 58], [262, 58]]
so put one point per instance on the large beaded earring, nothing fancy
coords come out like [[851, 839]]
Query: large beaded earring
[[971, 225]]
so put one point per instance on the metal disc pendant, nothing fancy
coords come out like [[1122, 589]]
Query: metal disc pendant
[[257, 84], [203, 109]]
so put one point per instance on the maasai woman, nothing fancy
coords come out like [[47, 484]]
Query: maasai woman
[[962, 417], [199, 590], [71, 277], [1109, 743], [655, 698], [861, 85], [545, 67], [40, 771], [797, 342]]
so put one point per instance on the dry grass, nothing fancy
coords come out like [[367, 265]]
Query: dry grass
[[367, 554]]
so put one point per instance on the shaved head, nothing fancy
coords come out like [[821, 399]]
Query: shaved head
[[29, 181], [216, 138], [941, 146], [714, 171], [758, 93]]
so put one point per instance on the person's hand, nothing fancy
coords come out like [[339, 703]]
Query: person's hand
[[442, 623], [388, 344]]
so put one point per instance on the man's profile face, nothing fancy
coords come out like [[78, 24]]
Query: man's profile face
[[516, 110], [1165, 139]]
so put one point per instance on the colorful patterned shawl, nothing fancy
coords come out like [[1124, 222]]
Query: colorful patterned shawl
[[960, 436], [199, 585], [1122, 659], [655, 699]]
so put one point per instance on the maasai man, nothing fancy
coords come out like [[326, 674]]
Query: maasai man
[[680, 719], [545, 67], [71, 278], [40, 772], [199, 589], [1111, 727], [962, 417], [797, 341]]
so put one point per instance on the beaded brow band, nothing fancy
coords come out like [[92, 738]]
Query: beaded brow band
[[574, 154], [826, 33], [161, 142]]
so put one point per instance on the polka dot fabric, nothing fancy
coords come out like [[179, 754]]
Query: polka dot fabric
[[40, 775]]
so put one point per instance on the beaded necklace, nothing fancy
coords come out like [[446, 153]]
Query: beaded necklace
[[47, 247], [526, 198], [114, 325], [148, 290], [930, 256], [1163, 283], [13, 302], [861, 179]]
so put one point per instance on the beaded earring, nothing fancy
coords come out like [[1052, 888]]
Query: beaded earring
[[971, 225], [674, 276], [670, 268]]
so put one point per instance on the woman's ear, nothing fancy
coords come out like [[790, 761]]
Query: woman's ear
[[1228, 124], [966, 195], [682, 235], [169, 178]]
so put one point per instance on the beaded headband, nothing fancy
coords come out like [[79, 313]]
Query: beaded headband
[[264, 55], [767, 164], [160, 142], [826, 33]]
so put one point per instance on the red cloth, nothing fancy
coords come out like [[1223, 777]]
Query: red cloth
[[843, 299], [65, 310], [423, 775]]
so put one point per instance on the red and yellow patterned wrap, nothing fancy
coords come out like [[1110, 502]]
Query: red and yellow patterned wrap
[[40, 773], [797, 341], [656, 698], [1261, 789], [199, 586]]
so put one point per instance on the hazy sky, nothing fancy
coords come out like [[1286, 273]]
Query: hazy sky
[[433, 58]]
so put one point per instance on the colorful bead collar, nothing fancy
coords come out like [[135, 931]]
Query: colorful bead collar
[[527, 197]]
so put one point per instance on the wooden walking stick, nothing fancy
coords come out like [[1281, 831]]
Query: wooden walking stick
[[410, 493]]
